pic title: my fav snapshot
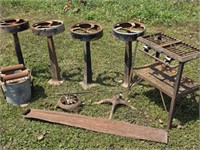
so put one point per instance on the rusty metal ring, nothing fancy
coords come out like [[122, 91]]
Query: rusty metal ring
[[48, 28], [128, 31], [68, 103], [86, 31], [13, 25]]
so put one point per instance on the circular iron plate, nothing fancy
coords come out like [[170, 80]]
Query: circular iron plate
[[128, 31], [13, 25], [48, 28], [86, 31]]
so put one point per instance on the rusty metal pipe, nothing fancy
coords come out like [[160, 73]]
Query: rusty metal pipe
[[88, 64], [127, 63], [18, 49], [17, 75], [12, 68], [53, 60]]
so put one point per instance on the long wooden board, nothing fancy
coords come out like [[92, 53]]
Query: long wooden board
[[100, 125]]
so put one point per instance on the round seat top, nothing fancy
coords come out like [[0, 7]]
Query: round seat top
[[48, 28], [13, 25], [86, 31], [128, 31]]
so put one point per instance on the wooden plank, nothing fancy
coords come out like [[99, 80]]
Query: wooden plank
[[100, 125]]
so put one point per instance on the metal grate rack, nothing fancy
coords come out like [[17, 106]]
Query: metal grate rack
[[173, 48], [160, 74]]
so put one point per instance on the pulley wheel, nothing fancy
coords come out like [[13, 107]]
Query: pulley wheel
[[13, 25], [68, 102], [128, 31], [86, 31], [48, 28]]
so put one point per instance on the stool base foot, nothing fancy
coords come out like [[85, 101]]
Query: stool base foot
[[124, 84], [87, 85], [55, 82]]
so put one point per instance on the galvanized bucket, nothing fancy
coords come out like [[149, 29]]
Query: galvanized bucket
[[17, 93], [16, 84]]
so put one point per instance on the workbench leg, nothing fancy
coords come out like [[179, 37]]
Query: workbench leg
[[173, 99]]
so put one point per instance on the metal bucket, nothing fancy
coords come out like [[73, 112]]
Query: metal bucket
[[19, 92]]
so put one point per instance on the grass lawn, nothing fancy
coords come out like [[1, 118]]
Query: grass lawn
[[179, 19]]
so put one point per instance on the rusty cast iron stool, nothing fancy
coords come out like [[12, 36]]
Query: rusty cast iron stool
[[48, 29], [14, 26], [87, 32], [128, 32]]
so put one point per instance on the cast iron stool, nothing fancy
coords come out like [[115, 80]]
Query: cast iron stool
[[87, 32], [14, 26], [48, 29], [128, 32]]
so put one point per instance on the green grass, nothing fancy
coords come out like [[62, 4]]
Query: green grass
[[179, 19]]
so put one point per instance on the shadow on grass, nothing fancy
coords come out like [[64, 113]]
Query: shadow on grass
[[74, 74], [109, 78], [42, 73], [37, 92], [185, 110]]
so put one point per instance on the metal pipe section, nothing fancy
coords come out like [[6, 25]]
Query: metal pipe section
[[18, 49], [53, 60], [127, 63], [88, 64]]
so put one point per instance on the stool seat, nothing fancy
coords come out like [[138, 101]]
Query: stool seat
[[48, 28], [128, 31], [86, 31], [13, 25]]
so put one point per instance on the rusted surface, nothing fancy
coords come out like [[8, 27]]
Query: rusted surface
[[127, 63], [128, 31], [162, 74], [13, 25], [164, 79], [88, 64], [16, 75], [173, 48], [12, 68], [48, 28], [68, 102], [100, 125], [86, 31], [116, 100], [55, 70]]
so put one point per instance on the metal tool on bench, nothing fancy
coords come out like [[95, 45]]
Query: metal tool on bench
[[87, 32], [48, 29], [128, 32], [16, 84], [14, 26], [162, 74]]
